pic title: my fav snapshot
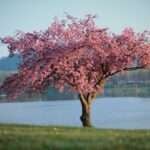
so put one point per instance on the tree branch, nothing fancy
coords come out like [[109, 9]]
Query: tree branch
[[125, 69], [82, 99]]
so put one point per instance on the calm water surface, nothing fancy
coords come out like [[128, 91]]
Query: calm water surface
[[124, 113]]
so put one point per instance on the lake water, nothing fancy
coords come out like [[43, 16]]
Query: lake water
[[123, 113]]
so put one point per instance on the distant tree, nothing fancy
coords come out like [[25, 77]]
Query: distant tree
[[75, 54]]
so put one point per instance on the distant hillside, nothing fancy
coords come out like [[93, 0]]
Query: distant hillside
[[9, 63], [135, 83]]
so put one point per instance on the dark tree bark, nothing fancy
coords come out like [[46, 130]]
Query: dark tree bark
[[86, 109]]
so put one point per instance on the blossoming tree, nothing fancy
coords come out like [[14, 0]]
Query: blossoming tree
[[74, 54]]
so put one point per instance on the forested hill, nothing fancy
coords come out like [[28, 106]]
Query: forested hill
[[9, 63], [135, 83]]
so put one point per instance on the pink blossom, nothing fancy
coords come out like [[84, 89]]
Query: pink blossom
[[76, 54]]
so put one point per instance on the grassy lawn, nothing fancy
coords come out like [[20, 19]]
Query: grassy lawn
[[23, 137]]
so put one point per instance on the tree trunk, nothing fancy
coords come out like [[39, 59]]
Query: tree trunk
[[86, 110], [86, 116], [86, 100]]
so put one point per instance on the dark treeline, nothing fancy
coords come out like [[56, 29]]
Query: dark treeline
[[135, 83]]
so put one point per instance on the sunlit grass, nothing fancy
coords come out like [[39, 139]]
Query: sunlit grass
[[22, 137]]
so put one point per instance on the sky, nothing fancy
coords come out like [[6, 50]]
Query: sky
[[29, 15]]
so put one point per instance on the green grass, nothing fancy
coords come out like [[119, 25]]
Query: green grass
[[24, 137]]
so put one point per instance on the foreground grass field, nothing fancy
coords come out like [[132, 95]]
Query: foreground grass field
[[22, 137]]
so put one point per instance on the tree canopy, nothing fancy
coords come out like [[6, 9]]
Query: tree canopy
[[74, 53]]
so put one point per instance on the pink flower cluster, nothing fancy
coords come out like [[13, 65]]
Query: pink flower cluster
[[75, 54]]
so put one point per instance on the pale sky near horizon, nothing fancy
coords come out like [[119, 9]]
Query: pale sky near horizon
[[29, 15]]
